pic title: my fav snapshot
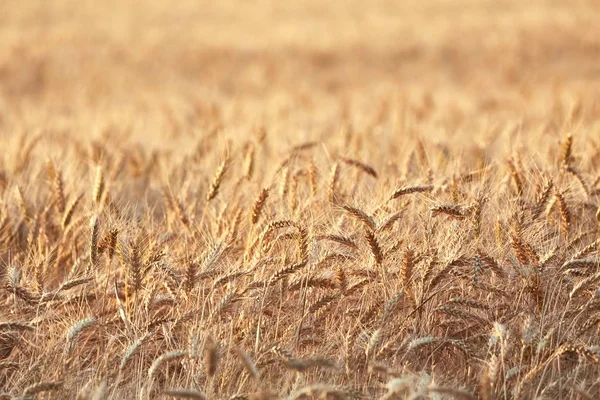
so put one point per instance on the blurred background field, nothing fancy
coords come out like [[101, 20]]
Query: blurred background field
[[174, 64]]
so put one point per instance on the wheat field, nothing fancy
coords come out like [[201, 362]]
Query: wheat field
[[314, 200]]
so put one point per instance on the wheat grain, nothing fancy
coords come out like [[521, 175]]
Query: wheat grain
[[185, 394], [259, 204], [360, 165], [411, 189], [361, 216], [217, 180], [166, 357]]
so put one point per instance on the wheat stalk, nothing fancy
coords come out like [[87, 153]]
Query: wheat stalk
[[217, 180], [259, 204]]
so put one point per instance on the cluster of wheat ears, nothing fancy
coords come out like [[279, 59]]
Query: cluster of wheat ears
[[237, 272]]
